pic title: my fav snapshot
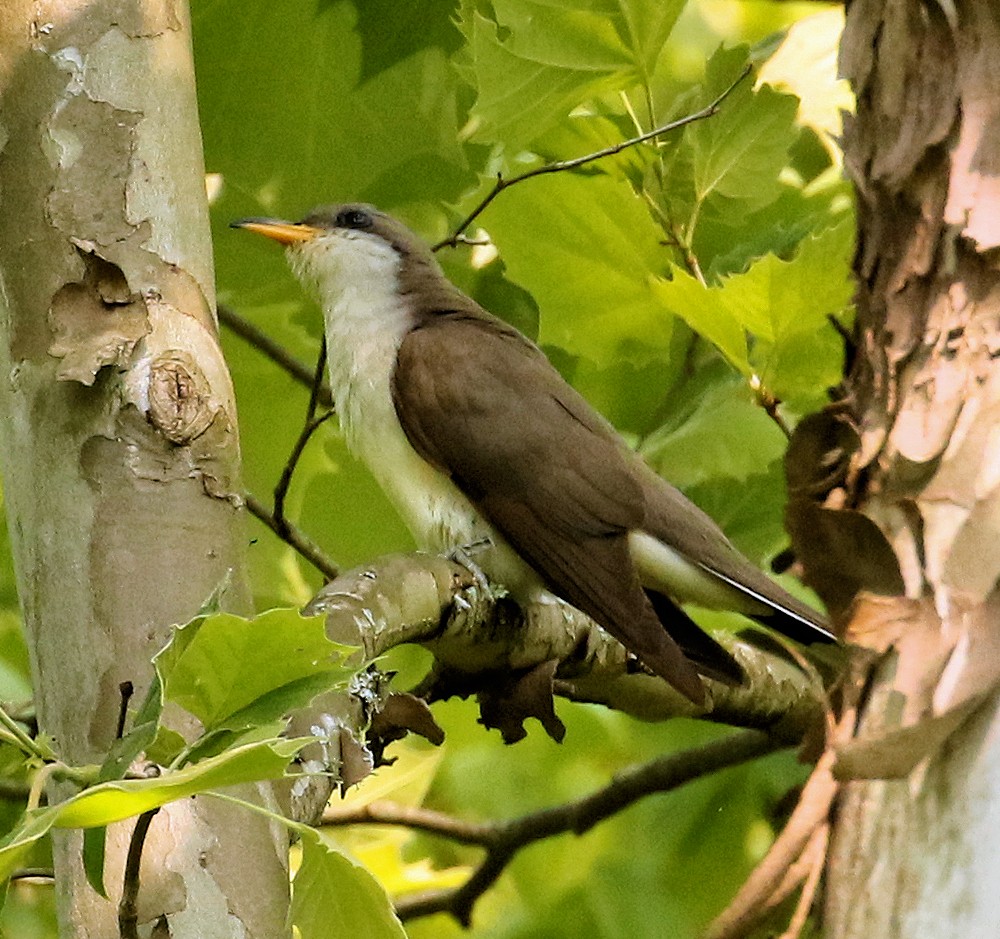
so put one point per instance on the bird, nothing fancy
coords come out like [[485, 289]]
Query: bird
[[477, 439]]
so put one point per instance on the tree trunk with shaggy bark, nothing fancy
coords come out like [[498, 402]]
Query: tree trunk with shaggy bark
[[915, 850]]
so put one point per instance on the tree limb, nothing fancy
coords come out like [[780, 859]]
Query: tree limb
[[502, 840], [435, 602]]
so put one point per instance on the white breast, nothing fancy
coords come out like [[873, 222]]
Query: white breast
[[366, 321]]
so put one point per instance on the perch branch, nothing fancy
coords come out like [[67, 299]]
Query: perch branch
[[435, 602]]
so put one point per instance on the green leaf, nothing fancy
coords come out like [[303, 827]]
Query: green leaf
[[113, 801], [391, 138], [583, 246], [727, 436], [391, 31], [778, 300], [785, 305], [93, 858], [165, 747], [704, 309], [231, 672], [533, 61], [333, 896], [110, 802], [738, 158], [18, 843]]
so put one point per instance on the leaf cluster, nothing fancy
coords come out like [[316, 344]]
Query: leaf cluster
[[236, 680]]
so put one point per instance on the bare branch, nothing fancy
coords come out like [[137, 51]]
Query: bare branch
[[291, 535], [771, 878], [273, 350], [502, 840], [128, 925], [559, 166]]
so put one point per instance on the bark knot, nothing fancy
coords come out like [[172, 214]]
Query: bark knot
[[179, 397]]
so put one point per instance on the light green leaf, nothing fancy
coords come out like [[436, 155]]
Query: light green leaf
[[785, 305], [729, 164], [705, 310], [645, 25], [18, 843], [583, 246], [779, 299], [231, 672], [333, 896], [113, 801], [534, 61]]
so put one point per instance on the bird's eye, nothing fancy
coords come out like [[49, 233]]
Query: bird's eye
[[354, 218]]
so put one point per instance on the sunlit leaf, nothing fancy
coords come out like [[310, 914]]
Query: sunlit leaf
[[584, 247], [333, 896], [114, 801], [532, 61], [229, 671]]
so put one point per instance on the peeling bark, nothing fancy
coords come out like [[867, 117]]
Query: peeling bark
[[119, 439], [918, 855]]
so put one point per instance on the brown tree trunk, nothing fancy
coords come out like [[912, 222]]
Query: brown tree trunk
[[919, 854], [119, 438]]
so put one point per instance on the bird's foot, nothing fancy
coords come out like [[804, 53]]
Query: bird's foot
[[464, 555], [473, 603]]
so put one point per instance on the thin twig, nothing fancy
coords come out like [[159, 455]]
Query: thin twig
[[502, 840], [281, 489], [560, 166], [21, 739], [809, 871], [753, 898], [273, 350], [319, 395], [312, 424], [126, 689], [769, 403], [128, 915], [442, 824], [293, 537]]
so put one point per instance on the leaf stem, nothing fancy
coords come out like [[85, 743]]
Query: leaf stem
[[21, 739]]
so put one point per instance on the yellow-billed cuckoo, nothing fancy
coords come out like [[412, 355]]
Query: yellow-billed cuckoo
[[475, 436]]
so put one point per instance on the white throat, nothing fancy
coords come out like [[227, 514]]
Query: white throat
[[356, 279]]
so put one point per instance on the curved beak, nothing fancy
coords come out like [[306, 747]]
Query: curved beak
[[285, 233]]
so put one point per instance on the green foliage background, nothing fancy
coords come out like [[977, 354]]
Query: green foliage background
[[672, 284]]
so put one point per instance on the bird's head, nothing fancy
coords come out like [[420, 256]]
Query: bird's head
[[341, 247]]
